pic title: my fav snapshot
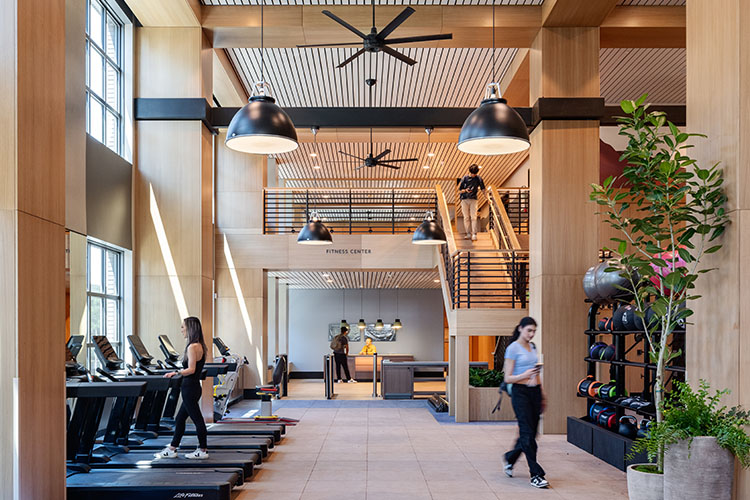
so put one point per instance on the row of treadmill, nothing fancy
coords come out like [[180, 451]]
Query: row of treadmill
[[119, 416]]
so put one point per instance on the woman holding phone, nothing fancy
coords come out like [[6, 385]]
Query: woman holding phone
[[522, 373]]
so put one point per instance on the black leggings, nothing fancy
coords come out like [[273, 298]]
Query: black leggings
[[341, 360], [191, 396], [527, 404]]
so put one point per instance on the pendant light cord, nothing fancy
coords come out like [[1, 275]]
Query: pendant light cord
[[262, 48], [494, 71]]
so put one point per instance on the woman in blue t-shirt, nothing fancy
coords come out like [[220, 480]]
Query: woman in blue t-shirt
[[522, 370]]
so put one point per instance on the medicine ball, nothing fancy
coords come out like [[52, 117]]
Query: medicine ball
[[589, 286], [608, 353], [583, 385], [594, 388], [605, 324], [596, 349], [607, 418], [596, 409], [618, 322], [608, 391], [631, 321]]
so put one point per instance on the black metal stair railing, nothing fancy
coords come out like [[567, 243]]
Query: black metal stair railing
[[347, 211]]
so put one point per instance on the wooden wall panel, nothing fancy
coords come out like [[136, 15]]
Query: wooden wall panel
[[718, 104], [169, 62], [32, 246], [552, 72]]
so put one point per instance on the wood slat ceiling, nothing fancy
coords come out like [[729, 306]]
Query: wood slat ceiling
[[652, 2], [358, 279], [377, 2], [447, 164], [628, 73], [443, 77]]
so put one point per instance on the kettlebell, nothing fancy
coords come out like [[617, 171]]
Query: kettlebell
[[644, 428], [628, 426]]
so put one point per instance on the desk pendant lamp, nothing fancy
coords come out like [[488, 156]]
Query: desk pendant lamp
[[494, 128], [261, 126]]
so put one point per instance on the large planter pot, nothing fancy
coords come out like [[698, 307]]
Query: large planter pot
[[481, 402], [700, 470], [644, 485]]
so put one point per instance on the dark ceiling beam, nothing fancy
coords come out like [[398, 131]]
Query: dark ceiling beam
[[579, 108]]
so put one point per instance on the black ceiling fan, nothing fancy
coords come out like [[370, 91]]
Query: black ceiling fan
[[378, 160], [378, 41]]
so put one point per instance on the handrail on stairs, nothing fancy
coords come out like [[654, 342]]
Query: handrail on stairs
[[501, 228]]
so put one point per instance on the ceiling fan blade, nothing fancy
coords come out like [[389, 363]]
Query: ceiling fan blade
[[395, 23], [422, 38], [356, 55], [339, 44], [387, 151], [398, 55], [394, 167], [347, 154], [344, 24], [359, 167], [390, 160]]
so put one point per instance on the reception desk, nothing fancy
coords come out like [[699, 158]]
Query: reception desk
[[360, 365], [397, 378]]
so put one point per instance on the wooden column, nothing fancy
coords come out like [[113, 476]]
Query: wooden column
[[241, 283], [718, 104], [173, 180], [32, 249], [563, 236], [460, 378], [450, 386]]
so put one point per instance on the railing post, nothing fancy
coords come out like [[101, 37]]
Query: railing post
[[513, 280], [468, 279], [375, 375], [393, 211], [265, 213], [307, 205], [350, 211]]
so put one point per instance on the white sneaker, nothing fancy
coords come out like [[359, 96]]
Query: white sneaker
[[166, 453], [473, 237], [539, 482], [352, 381], [338, 381], [198, 454], [467, 237]]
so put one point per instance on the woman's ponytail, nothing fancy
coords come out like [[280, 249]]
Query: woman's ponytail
[[526, 321]]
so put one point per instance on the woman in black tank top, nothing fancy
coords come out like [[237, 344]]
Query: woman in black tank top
[[190, 389]]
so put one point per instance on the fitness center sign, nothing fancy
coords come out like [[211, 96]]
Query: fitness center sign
[[348, 251]]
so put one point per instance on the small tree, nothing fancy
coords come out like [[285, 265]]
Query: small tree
[[669, 211]]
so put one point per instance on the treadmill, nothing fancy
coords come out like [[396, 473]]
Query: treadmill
[[221, 428], [84, 483], [115, 453]]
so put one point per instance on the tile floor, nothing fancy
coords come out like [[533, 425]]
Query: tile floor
[[392, 450]]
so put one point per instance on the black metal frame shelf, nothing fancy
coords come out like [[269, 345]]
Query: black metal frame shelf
[[612, 403], [650, 366]]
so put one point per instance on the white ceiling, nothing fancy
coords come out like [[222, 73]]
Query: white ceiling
[[442, 77], [358, 279], [628, 73]]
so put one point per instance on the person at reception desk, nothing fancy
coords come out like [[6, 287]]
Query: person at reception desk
[[368, 349], [340, 346]]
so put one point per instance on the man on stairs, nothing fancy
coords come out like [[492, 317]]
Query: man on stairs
[[468, 188]]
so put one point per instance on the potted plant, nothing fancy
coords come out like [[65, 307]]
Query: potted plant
[[669, 211], [698, 439], [483, 396]]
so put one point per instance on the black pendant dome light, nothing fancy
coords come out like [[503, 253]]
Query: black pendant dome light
[[344, 323], [362, 325], [261, 126], [314, 232], [397, 324], [429, 232], [494, 128], [379, 323]]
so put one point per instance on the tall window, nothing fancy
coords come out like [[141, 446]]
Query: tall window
[[104, 86], [105, 296]]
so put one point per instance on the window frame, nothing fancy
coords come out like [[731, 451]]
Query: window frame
[[119, 298], [89, 45]]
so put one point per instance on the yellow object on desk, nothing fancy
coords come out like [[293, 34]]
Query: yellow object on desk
[[368, 350]]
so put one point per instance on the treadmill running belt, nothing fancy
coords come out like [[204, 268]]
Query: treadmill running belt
[[217, 443], [207, 484], [145, 459], [236, 430]]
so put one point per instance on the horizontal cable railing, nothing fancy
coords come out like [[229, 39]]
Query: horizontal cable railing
[[348, 211]]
